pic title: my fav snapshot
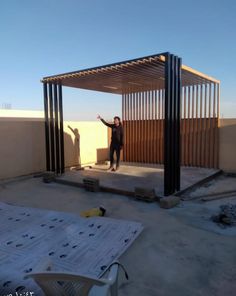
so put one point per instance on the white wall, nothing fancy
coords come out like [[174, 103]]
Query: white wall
[[22, 148], [22, 145], [227, 145]]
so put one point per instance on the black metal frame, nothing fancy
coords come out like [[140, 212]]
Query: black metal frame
[[172, 124], [54, 134]]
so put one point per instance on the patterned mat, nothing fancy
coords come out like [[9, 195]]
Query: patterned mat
[[29, 236]]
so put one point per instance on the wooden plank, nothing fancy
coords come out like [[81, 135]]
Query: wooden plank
[[182, 127], [210, 161], [139, 128], [217, 127], [154, 125], [193, 128], [156, 143], [201, 126], [214, 125], [197, 127], [136, 127], [145, 130], [132, 126], [205, 128], [143, 126], [200, 74], [134, 134], [124, 120], [128, 129], [208, 127], [158, 126], [162, 126], [184, 142], [122, 116], [125, 127], [188, 130], [148, 127]]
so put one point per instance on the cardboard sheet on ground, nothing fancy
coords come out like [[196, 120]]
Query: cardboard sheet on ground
[[81, 245]]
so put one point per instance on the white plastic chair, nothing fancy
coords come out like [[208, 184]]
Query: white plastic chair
[[70, 284]]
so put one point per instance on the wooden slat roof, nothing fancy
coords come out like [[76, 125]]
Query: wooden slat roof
[[139, 74]]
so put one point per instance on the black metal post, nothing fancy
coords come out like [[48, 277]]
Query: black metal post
[[175, 124], [61, 129], [172, 124], [46, 123], [51, 129], [178, 112], [166, 127], [56, 130]]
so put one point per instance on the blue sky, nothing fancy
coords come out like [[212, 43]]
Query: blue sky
[[46, 37]]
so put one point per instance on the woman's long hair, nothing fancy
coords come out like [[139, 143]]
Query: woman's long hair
[[117, 117]]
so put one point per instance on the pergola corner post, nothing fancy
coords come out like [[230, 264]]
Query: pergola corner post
[[54, 132], [172, 124], [178, 122], [61, 134], [57, 168], [46, 123]]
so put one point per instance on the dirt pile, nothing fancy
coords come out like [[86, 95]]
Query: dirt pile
[[226, 216]]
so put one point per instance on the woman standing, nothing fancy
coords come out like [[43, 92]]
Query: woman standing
[[117, 141]]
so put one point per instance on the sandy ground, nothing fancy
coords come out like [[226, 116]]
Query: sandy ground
[[180, 252]]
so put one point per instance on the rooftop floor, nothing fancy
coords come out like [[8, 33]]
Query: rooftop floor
[[180, 251], [130, 176]]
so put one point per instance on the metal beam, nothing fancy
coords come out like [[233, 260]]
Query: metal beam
[[178, 126], [62, 160], [46, 123], [172, 124], [56, 130], [51, 120], [167, 152]]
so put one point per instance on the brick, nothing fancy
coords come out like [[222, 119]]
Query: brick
[[145, 194], [168, 202], [48, 177], [91, 184]]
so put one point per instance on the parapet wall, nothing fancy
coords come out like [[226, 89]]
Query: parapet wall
[[227, 145], [22, 148]]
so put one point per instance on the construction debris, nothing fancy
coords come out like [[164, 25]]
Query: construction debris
[[145, 194], [219, 195], [93, 212], [48, 177], [168, 202], [91, 184], [226, 216]]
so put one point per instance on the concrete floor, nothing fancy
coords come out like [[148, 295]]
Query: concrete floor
[[180, 251], [130, 176], [220, 184]]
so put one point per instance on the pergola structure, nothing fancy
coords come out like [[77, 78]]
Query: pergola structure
[[170, 113]]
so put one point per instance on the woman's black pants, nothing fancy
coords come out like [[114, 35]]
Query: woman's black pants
[[114, 148]]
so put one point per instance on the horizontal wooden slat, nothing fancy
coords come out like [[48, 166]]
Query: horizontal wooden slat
[[142, 74]]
